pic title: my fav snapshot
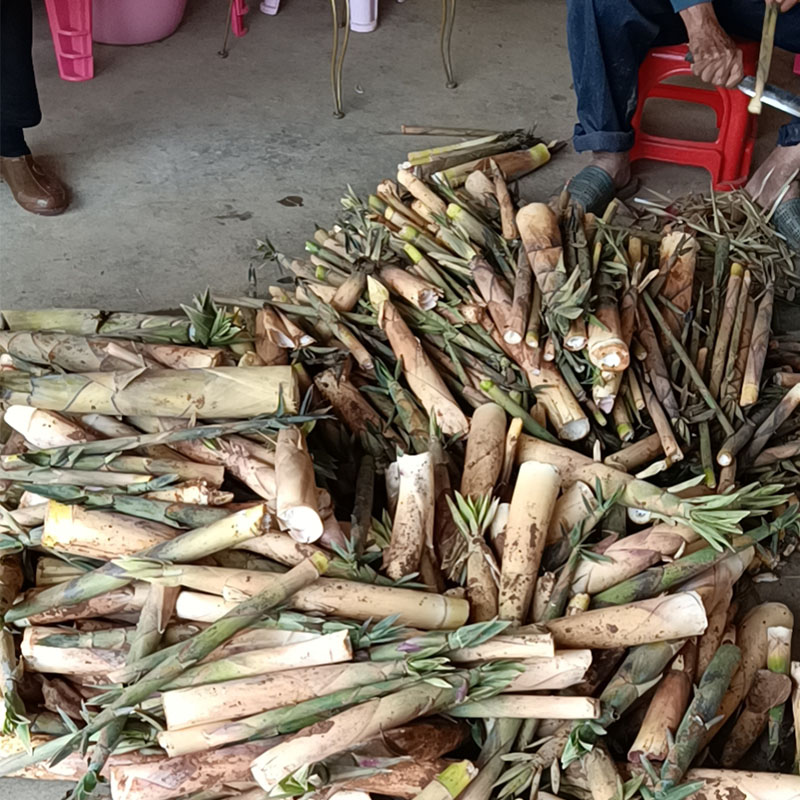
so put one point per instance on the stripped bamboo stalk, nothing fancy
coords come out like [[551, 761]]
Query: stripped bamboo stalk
[[758, 349]]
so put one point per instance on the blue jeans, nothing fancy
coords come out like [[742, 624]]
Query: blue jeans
[[609, 39]]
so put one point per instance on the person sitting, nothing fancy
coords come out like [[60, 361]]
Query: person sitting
[[608, 41]]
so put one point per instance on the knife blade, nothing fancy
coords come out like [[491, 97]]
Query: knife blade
[[773, 96]]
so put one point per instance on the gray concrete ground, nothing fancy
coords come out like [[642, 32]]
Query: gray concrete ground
[[177, 159]]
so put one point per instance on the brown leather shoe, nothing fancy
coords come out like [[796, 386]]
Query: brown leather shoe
[[34, 189]]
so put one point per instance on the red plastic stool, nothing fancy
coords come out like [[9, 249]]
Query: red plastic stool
[[728, 157]]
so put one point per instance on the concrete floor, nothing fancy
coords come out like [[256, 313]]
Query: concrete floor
[[177, 159]]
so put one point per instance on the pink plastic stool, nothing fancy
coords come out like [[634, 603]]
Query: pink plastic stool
[[71, 27], [238, 11]]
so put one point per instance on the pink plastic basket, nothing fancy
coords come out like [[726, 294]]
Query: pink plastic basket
[[135, 21]]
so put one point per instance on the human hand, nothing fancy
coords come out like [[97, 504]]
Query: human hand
[[783, 5], [716, 59]]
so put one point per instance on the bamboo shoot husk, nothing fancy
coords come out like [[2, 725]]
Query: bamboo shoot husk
[[541, 238], [605, 390], [677, 258], [99, 534], [242, 697], [413, 519], [666, 708], [225, 392], [506, 205], [566, 668], [424, 379], [725, 327], [529, 518], [192, 493], [531, 645], [80, 354], [634, 493], [480, 188], [758, 349], [421, 192], [125, 600], [601, 774], [654, 620], [710, 641], [416, 291], [701, 711], [231, 664], [90, 663], [669, 444], [74, 766], [449, 783], [751, 638], [563, 410], [516, 324], [631, 555], [720, 784], [356, 724], [777, 417], [574, 504], [189, 546], [606, 348], [485, 451], [270, 341], [349, 405], [769, 689], [44, 429], [525, 706], [542, 592], [176, 777], [349, 599], [296, 499], [655, 368], [404, 780]]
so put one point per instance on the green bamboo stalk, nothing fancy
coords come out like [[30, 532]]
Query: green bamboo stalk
[[190, 652], [435, 643], [290, 719], [639, 672], [779, 659], [178, 515], [653, 581], [497, 395], [61, 456], [706, 456], [92, 321], [689, 366], [702, 710], [721, 255], [187, 547]]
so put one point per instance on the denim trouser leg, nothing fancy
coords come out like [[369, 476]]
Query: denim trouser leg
[[609, 39]]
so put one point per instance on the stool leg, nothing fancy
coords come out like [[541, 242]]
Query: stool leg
[[734, 138]]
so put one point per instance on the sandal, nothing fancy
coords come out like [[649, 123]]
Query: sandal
[[786, 220], [593, 189]]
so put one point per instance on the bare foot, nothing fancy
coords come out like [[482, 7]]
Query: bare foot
[[617, 165], [769, 179]]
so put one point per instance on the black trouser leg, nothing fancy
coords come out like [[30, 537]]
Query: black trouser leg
[[19, 100]]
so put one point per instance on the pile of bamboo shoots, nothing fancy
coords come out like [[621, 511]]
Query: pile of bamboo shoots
[[470, 504]]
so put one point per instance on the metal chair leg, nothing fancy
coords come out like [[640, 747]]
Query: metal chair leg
[[337, 55], [445, 39]]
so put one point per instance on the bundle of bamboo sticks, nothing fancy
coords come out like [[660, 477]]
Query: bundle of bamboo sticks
[[465, 509]]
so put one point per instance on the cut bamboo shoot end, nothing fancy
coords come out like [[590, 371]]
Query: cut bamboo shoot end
[[525, 706], [566, 668]]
